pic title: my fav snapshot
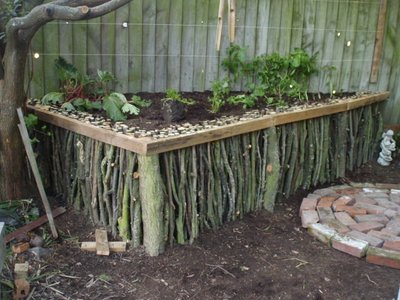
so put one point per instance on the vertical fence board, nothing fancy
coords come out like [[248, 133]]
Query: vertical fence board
[[174, 44], [200, 45], [297, 24], [274, 26], [135, 45], [50, 32], [347, 61], [262, 27], [149, 30], [79, 41], [122, 49], [37, 65], [318, 39], [93, 45], [286, 32], [161, 59], [108, 42], [189, 17], [212, 63]]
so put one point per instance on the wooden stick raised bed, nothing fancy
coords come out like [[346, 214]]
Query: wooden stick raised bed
[[154, 192]]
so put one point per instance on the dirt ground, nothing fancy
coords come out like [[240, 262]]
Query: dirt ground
[[263, 256]]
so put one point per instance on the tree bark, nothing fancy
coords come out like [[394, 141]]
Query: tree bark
[[152, 198], [14, 182], [13, 168]]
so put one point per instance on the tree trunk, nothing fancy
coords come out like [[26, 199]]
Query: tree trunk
[[152, 199], [13, 169]]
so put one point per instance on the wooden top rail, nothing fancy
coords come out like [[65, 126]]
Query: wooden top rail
[[148, 146]]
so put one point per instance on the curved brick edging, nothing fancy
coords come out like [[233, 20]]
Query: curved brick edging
[[358, 221]]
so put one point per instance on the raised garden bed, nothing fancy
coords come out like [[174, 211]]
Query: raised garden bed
[[154, 190]]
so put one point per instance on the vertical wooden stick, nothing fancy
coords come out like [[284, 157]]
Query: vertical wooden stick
[[219, 24], [35, 171]]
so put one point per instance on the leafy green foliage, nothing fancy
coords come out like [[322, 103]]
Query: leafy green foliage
[[246, 100], [117, 106], [174, 95], [220, 90], [80, 92], [53, 98], [138, 101], [269, 76], [31, 121]]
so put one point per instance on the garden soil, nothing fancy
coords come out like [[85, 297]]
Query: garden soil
[[262, 256]]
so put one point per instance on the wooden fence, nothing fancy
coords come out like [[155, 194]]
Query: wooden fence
[[152, 45]]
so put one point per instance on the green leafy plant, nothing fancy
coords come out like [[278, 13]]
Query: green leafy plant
[[247, 100], [80, 92], [220, 90], [140, 102], [174, 95], [270, 75]]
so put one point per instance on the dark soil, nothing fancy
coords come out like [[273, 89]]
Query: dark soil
[[263, 256], [152, 117]]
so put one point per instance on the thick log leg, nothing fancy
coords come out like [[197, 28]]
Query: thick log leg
[[152, 199]]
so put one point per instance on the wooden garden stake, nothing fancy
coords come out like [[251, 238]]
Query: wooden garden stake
[[231, 21], [219, 24], [35, 170]]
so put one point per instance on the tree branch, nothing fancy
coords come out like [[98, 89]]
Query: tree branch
[[75, 3], [58, 10]]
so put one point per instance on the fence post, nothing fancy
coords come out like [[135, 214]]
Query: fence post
[[152, 199]]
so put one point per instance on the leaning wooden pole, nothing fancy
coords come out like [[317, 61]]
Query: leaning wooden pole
[[152, 199]]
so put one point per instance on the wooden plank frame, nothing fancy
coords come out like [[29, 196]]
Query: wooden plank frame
[[149, 146]]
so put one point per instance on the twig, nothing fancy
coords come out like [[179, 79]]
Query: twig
[[369, 279], [302, 262], [31, 293], [222, 269]]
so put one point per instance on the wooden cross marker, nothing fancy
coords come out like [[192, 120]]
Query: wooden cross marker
[[102, 246], [231, 21]]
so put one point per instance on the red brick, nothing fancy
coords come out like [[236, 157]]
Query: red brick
[[339, 227], [351, 210], [390, 213], [370, 208], [372, 218], [326, 201], [384, 235], [344, 218], [349, 245], [324, 192], [20, 247], [371, 240], [308, 204], [366, 226], [348, 191], [393, 230], [363, 199], [392, 245], [385, 202], [309, 217], [384, 257], [344, 200], [322, 232], [325, 214], [376, 194]]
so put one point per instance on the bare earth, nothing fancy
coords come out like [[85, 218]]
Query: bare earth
[[263, 256]]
